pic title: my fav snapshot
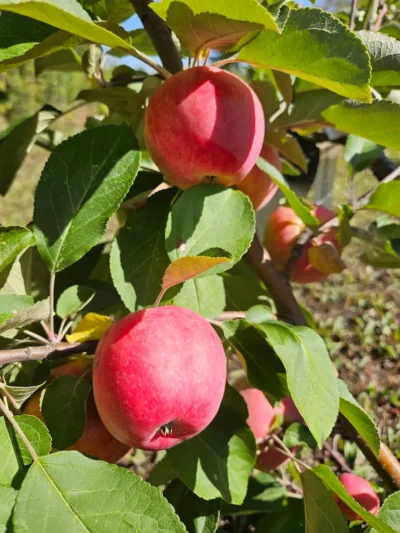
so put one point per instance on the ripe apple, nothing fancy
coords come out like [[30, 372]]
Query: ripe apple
[[290, 412], [362, 492], [257, 184], [159, 377], [270, 458], [95, 441], [281, 233], [204, 124]]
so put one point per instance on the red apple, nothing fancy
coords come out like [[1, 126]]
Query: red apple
[[290, 412], [362, 492], [95, 441], [281, 233], [159, 377], [257, 184], [270, 458], [204, 124]]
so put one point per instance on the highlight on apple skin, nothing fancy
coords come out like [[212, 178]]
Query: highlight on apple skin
[[159, 377], [281, 233], [361, 490], [95, 440], [204, 124], [258, 185]]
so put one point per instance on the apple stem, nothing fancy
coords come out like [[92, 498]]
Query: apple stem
[[206, 57], [223, 62], [159, 298]]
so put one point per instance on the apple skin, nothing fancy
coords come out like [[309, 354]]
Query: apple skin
[[157, 369], [204, 123], [281, 233], [270, 459], [290, 412], [95, 441], [257, 184], [362, 492]]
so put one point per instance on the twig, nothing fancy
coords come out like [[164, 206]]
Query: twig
[[380, 18], [160, 36], [51, 295], [223, 62], [39, 338], [284, 450], [370, 13], [49, 351], [353, 13], [338, 458], [145, 59], [231, 315], [10, 417], [10, 397]]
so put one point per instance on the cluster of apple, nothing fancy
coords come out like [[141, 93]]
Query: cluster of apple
[[207, 125]]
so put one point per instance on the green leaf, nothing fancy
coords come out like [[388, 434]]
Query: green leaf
[[40, 311], [390, 512], [7, 500], [120, 99], [16, 142], [199, 516], [311, 379], [83, 183], [74, 299], [13, 240], [64, 60], [286, 517], [264, 370], [19, 34], [217, 462], [386, 199], [322, 513], [10, 304], [243, 287], [21, 394], [63, 406], [392, 28], [205, 296], [14, 455], [199, 211], [86, 495], [208, 30], [141, 41], [162, 473], [299, 207], [138, 258], [358, 418], [315, 46], [360, 152], [111, 10], [214, 24], [344, 231], [258, 314], [379, 122], [298, 435], [68, 16], [385, 58], [326, 475]]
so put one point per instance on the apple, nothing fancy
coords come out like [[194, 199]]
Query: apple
[[257, 184], [261, 417], [361, 490], [95, 441], [281, 233], [289, 412], [159, 377], [204, 124]]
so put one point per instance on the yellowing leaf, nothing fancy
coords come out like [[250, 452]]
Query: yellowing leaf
[[326, 258], [91, 328], [187, 268]]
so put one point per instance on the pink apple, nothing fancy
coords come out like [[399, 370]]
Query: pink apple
[[261, 413], [257, 184], [281, 233], [290, 412], [159, 377], [362, 492], [270, 459], [204, 124]]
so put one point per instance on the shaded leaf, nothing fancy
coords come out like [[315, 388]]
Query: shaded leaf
[[344, 230], [138, 258], [390, 512], [111, 10], [40, 311], [298, 435], [286, 517], [74, 299], [319, 48], [14, 455], [199, 211], [322, 513], [358, 418], [379, 122], [326, 475], [87, 495], [21, 394], [205, 296], [310, 375], [287, 146], [91, 328], [63, 405], [217, 462], [77, 194], [7, 500], [360, 152]]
